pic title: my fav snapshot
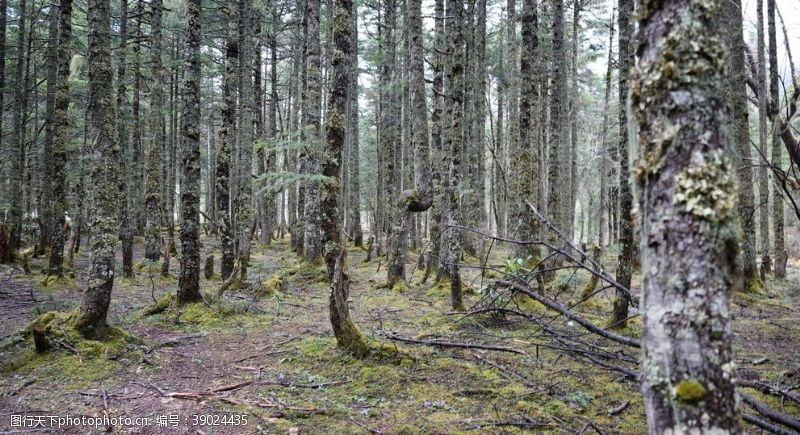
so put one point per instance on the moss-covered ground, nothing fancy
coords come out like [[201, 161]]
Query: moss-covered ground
[[265, 350]]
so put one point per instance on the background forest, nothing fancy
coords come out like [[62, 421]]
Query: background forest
[[568, 216]]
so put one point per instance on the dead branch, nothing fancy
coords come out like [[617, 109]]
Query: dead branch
[[770, 413], [438, 343], [771, 428], [771, 390]]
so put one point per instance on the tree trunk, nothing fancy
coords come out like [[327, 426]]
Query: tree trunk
[[740, 136], [227, 140], [244, 199], [91, 320], [354, 196], [619, 316], [347, 334], [18, 158], [312, 237], [189, 282], [688, 194], [45, 206], [153, 199], [781, 256], [57, 174], [763, 179], [604, 164]]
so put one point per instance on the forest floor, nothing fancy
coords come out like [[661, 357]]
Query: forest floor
[[266, 352]]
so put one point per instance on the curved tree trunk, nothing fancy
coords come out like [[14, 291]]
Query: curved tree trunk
[[688, 193], [347, 334]]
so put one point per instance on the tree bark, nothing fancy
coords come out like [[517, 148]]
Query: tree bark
[[153, 199], [688, 194], [763, 180], [781, 256]]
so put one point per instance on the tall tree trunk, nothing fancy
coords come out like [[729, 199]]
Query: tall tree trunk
[[189, 282], [18, 156], [5, 249], [688, 193], [153, 200], [137, 161], [354, 196], [763, 179], [227, 140], [57, 174], [451, 237], [604, 163], [418, 198], [527, 179], [126, 155], [619, 315], [438, 155], [557, 146], [740, 136], [45, 206], [574, 101], [312, 237], [91, 319], [347, 334], [244, 199], [781, 255]]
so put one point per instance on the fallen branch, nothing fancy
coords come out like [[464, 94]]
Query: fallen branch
[[437, 343], [770, 413], [769, 389], [555, 306], [771, 428], [312, 386]]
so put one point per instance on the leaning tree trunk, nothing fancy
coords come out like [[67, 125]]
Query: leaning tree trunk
[[58, 157], [189, 282], [688, 194], [91, 318], [155, 153], [619, 316], [347, 334]]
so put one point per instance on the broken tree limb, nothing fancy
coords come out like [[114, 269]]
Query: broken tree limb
[[770, 413]]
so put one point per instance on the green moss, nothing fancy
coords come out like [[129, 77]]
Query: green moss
[[689, 392], [400, 286], [161, 305], [274, 285]]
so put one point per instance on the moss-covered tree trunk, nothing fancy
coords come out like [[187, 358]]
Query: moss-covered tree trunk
[[18, 138], [91, 317], [57, 175], [690, 228], [137, 166], [189, 282], [347, 335], [312, 237], [153, 200], [354, 229], [619, 314], [740, 137], [526, 178], [227, 139]]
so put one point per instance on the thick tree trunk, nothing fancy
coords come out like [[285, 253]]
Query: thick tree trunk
[[189, 282], [57, 174], [137, 161], [91, 318], [688, 194], [312, 237], [347, 334]]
